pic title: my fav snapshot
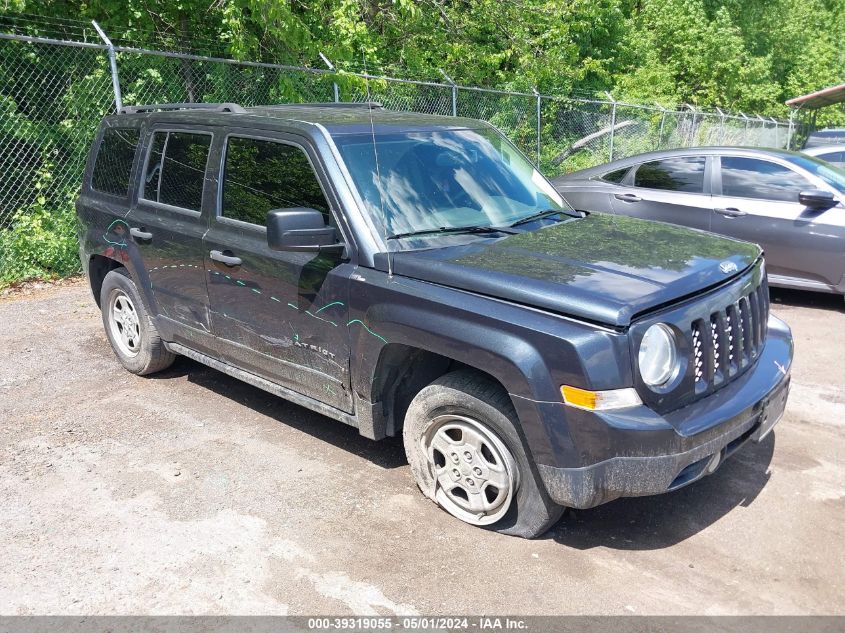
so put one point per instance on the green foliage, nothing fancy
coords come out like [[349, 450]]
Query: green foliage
[[748, 55], [41, 243]]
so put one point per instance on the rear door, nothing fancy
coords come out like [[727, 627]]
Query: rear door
[[280, 315], [105, 198], [674, 190], [167, 224], [757, 201]]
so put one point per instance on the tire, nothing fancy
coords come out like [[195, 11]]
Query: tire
[[130, 330], [461, 431]]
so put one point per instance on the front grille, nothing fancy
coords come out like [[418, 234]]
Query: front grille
[[730, 340]]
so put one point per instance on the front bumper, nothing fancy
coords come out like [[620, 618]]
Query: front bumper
[[652, 454]]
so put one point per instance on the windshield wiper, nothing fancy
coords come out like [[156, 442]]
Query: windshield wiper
[[545, 214], [453, 229]]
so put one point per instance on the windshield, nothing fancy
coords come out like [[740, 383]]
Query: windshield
[[831, 174], [444, 179]]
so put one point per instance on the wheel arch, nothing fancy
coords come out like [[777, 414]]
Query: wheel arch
[[410, 341], [98, 267]]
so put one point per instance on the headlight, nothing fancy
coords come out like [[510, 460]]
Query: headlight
[[658, 357]]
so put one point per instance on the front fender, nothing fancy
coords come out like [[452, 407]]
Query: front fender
[[530, 352]]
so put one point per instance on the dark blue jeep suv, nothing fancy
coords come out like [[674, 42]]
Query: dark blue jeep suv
[[415, 274]]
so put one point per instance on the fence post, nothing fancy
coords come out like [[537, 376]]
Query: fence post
[[612, 123], [539, 120], [745, 132], [331, 67], [115, 80], [721, 126], [791, 128], [691, 139], [762, 130], [662, 123], [777, 131], [454, 92]]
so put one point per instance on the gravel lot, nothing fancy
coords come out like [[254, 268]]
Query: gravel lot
[[190, 492]]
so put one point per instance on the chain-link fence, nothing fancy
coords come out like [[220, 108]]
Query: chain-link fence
[[53, 93]]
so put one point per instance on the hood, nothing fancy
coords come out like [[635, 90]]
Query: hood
[[602, 268]]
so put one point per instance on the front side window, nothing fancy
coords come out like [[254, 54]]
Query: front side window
[[684, 173], [113, 166], [260, 176], [176, 169], [428, 180], [760, 179]]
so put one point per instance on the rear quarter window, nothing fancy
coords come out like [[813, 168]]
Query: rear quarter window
[[113, 166], [615, 176]]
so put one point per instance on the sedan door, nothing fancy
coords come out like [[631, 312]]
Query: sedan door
[[674, 189], [757, 201]]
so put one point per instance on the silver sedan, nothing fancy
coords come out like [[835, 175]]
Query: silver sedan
[[792, 204]]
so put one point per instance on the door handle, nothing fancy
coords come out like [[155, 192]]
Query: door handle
[[731, 212], [229, 260], [140, 234], [628, 197]]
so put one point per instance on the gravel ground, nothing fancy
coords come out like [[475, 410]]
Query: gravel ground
[[189, 493]]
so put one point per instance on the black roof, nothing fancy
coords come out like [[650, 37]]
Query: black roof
[[337, 118]]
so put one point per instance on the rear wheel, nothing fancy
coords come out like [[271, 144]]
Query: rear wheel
[[467, 455], [132, 334]]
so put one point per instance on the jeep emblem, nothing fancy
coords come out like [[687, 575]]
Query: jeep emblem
[[728, 267]]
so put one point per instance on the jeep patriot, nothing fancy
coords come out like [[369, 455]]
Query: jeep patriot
[[415, 274]]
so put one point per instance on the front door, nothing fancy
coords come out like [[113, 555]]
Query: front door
[[167, 225], [280, 315], [669, 190], [759, 203]]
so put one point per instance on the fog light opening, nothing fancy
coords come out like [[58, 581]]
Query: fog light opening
[[714, 463]]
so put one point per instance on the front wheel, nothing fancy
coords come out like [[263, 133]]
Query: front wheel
[[467, 456], [131, 332]]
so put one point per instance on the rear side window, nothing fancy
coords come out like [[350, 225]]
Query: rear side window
[[113, 166], [260, 176], [684, 173], [837, 158], [754, 178], [176, 169], [615, 176]]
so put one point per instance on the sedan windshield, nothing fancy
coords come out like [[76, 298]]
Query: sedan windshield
[[446, 183], [831, 174]]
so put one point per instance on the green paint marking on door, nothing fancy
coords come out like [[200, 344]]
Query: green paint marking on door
[[378, 336], [329, 305]]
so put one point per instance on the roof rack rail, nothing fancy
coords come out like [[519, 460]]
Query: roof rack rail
[[327, 104], [216, 107]]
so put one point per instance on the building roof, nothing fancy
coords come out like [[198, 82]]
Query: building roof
[[814, 100]]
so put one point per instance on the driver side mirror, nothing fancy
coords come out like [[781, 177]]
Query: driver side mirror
[[301, 230], [817, 199]]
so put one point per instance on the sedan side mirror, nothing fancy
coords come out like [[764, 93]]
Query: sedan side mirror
[[301, 229], [817, 199]]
